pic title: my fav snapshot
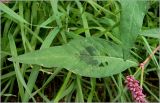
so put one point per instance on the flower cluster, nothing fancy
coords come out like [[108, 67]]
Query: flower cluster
[[136, 90]]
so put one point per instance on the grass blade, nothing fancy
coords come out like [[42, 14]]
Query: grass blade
[[11, 13], [19, 76], [47, 42], [79, 95], [154, 33], [63, 87]]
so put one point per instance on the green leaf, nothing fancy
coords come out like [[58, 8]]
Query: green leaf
[[20, 79], [154, 33], [11, 13], [50, 38], [131, 19], [91, 57]]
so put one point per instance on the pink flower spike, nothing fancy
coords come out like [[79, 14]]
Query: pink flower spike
[[136, 90]]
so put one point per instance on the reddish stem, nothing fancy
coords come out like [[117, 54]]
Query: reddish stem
[[149, 57]]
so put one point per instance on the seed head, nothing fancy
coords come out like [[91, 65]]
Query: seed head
[[136, 90]]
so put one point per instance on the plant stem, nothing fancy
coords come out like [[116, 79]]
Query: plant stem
[[149, 57], [142, 72], [142, 65], [136, 71]]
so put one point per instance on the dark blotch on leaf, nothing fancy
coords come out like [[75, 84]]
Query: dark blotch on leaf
[[106, 63], [91, 50], [87, 56]]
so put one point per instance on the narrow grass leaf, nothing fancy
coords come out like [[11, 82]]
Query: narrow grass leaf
[[21, 25], [5, 88], [35, 71], [68, 90], [47, 42], [10, 89], [149, 90], [79, 95], [11, 13], [54, 4], [16, 64], [33, 33], [49, 20], [39, 93], [31, 82], [57, 16], [91, 94], [63, 87], [85, 25], [149, 50], [50, 78], [8, 75], [96, 5], [79, 6], [84, 19], [154, 33], [20, 78]]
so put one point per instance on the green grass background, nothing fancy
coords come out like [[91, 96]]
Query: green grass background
[[26, 26]]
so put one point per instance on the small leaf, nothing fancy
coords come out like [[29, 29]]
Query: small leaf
[[91, 57]]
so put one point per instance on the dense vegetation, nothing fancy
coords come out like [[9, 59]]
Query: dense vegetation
[[78, 51]]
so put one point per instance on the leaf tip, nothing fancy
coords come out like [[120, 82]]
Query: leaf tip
[[10, 59]]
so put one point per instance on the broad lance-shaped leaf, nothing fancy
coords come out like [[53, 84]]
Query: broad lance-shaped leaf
[[91, 57], [131, 19]]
